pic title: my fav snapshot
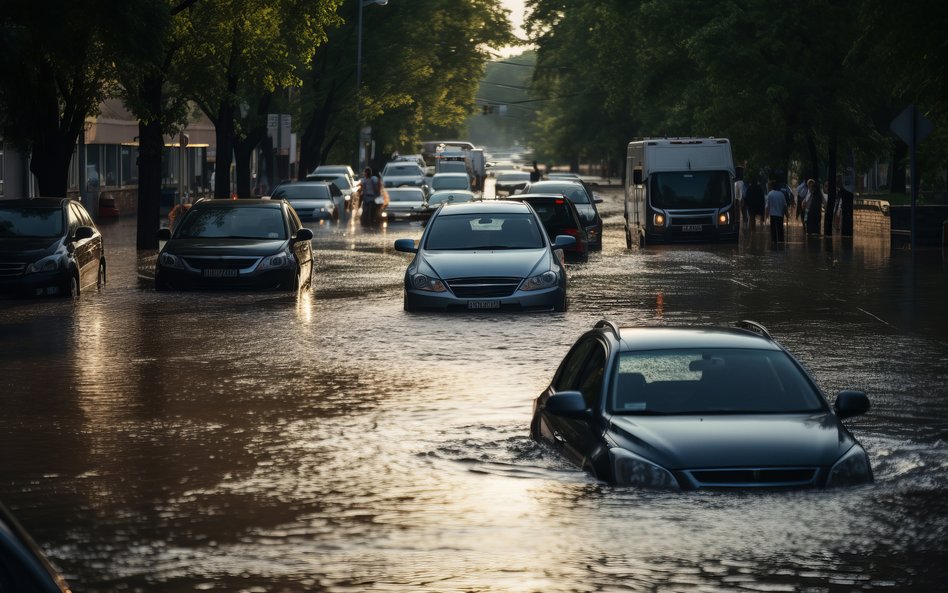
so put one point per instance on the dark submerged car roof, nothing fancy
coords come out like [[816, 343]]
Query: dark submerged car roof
[[668, 338], [240, 203]]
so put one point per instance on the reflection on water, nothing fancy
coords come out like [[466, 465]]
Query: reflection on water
[[331, 442]]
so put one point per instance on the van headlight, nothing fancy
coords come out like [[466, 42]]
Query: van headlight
[[851, 469], [47, 264], [724, 217], [631, 470], [547, 279]]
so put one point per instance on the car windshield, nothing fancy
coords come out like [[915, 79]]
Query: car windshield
[[302, 191], [402, 170], [449, 182], [450, 197], [555, 214], [31, 222], [402, 195], [340, 180], [484, 231], [222, 222], [572, 190], [690, 189], [711, 381]]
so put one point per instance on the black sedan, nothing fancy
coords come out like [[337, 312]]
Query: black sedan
[[698, 407], [236, 244], [559, 217], [485, 255], [49, 246], [582, 197], [23, 566]]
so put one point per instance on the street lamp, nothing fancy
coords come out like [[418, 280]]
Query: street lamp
[[362, 4]]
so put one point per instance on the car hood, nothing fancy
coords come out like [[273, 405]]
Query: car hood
[[751, 440], [239, 247], [586, 212], [518, 263], [28, 249]]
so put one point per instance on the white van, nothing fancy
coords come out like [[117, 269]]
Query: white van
[[679, 189]]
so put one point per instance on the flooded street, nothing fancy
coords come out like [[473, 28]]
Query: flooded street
[[259, 442]]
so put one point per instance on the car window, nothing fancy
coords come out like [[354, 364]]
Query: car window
[[295, 222], [554, 214], [84, 218], [302, 191], [572, 365], [395, 195], [233, 223], [589, 381], [31, 222], [450, 182], [484, 231], [712, 381]]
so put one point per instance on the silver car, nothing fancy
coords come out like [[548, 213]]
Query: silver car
[[405, 203], [485, 256]]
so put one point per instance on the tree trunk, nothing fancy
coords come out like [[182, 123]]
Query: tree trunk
[[314, 136], [897, 176], [814, 157], [831, 179], [242, 153], [224, 133], [150, 149]]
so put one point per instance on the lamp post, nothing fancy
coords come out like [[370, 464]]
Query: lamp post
[[362, 4]]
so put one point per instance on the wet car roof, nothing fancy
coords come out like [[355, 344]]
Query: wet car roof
[[493, 206], [664, 338], [35, 202], [241, 203]]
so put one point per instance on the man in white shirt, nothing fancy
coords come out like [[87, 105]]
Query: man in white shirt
[[775, 208]]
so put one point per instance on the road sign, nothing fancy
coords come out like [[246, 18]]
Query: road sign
[[365, 134], [902, 126]]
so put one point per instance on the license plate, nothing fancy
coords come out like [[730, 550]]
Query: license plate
[[483, 304], [215, 273], [691, 228]]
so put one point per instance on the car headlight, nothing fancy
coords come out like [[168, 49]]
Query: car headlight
[[851, 469], [283, 259], [422, 282], [724, 217], [631, 470], [547, 279], [167, 260], [47, 264]]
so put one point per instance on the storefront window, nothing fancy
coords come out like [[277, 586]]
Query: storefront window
[[111, 165]]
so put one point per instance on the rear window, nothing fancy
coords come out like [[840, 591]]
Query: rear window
[[554, 214], [574, 191], [402, 170], [302, 192], [395, 195]]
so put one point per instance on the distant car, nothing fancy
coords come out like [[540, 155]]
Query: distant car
[[450, 181], [412, 158], [559, 217], [241, 244], [346, 170], [485, 255], [495, 167], [49, 246], [312, 200], [448, 196], [686, 408], [582, 197], [398, 174], [345, 185], [507, 182], [563, 175], [23, 566], [405, 203], [444, 166]]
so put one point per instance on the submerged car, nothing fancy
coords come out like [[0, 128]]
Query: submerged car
[[405, 203], [485, 255], [559, 217], [312, 200], [49, 246], [242, 244], [582, 197], [507, 182], [342, 181], [686, 408]]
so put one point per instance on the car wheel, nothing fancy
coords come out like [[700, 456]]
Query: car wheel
[[101, 280], [562, 305], [71, 286]]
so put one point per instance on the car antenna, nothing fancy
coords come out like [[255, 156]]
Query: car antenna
[[753, 326]]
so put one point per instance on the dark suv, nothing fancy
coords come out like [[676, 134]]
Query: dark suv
[[559, 217], [582, 197]]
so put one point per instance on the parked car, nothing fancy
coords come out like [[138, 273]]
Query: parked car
[[582, 197], [312, 200], [450, 181], [348, 189], [685, 408], [485, 255], [23, 566], [559, 217], [405, 203], [507, 182], [49, 246], [398, 174], [240, 244]]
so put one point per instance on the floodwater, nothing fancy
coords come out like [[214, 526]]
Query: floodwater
[[181, 442]]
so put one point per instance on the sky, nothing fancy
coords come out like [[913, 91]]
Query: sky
[[516, 8]]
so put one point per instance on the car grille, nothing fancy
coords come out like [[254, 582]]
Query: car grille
[[221, 263], [766, 477], [467, 288], [702, 219], [11, 269]]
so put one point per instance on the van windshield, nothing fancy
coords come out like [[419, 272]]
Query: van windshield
[[690, 189]]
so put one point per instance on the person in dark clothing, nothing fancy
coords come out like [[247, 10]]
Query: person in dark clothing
[[535, 174], [846, 198], [776, 210], [755, 202], [814, 207]]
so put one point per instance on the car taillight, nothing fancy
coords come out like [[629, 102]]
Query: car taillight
[[559, 202]]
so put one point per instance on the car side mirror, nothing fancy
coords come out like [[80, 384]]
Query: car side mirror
[[84, 232], [851, 403], [164, 234], [568, 404], [637, 176], [405, 245], [303, 234], [562, 241]]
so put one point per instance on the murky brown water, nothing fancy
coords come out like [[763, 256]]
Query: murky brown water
[[258, 442]]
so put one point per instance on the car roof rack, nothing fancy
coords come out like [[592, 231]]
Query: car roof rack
[[612, 326], [753, 326]]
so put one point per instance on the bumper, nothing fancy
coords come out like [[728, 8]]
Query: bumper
[[38, 284], [679, 235], [280, 279], [533, 300], [399, 215]]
